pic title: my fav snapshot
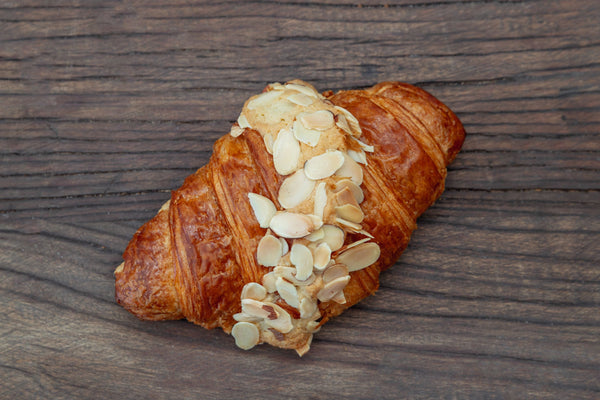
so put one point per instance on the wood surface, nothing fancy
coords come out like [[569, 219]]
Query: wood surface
[[106, 106]]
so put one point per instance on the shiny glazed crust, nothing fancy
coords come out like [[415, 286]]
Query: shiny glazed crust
[[194, 257]]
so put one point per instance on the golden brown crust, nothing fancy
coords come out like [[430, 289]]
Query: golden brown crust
[[194, 257]]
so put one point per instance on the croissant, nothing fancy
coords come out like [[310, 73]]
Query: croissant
[[301, 206]]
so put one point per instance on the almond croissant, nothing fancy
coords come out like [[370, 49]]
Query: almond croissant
[[299, 209]]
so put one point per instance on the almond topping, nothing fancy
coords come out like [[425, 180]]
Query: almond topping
[[322, 256], [268, 281], [354, 244], [295, 189], [254, 308], [285, 247], [300, 98], [307, 136], [282, 322], [246, 335], [253, 290], [335, 271], [302, 258], [289, 273], [236, 131], [268, 139], [358, 156], [360, 256], [263, 208], [291, 225], [332, 288], [352, 121], [243, 317], [366, 147], [307, 308], [286, 152], [353, 187], [302, 89], [243, 121], [320, 200], [269, 251], [320, 120], [351, 169], [288, 292], [316, 235], [342, 123], [339, 297], [349, 224], [263, 99], [350, 212], [334, 237], [325, 165]]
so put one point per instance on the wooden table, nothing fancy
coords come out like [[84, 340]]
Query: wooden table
[[106, 106]]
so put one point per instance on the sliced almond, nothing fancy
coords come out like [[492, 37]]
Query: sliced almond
[[275, 86], [287, 292], [243, 121], [295, 189], [286, 152], [243, 317], [291, 225], [333, 236], [358, 156], [289, 273], [317, 221], [334, 271], [320, 120], [325, 165], [359, 257], [253, 290], [307, 136], [300, 98], [332, 288], [349, 225], [356, 191], [345, 196], [263, 100], [285, 247], [320, 200], [268, 281], [255, 308], [263, 208], [316, 235], [236, 131], [342, 123], [339, 298], [350, 212], [269, 251], [246, 335], [268, 139], [322, 256], [354, 244], [302, 258], [350, 169], [366, 147], [283, 320], [352, 121], [307, 308], [302, 89]]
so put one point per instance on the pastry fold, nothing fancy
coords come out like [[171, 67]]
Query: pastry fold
[[200, 252]]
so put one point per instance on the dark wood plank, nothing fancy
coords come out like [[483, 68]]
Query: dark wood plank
[[106, 106]]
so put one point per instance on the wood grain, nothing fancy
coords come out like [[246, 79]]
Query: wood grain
[[106, 106]]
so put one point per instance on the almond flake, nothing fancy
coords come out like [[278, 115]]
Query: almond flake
[[282, 322], [354, 244], [268, 139], [316, 235], [334, 237], [332, 288], [342, 123], [339, 297], [269, 251], [302, 258], [253, 290], [320, 200], [263, 99], [243, 317], [345, 196], [286, 152], [285, 247], [300, 98], [307, 308], [263, 208], [356, 191], [358, 156], [349, 224], [325, 165], [322, 256], [320, 120], [295, 189], [334, 271], [366, 147], [302, 89], [360, 256], [287, 292], [352, 121], [307, 136], [254, 308], [350, 212], [246, 335], [243, 121], [236, 131], [291, 225], [351, 169], [289, 273], [268, 281]]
